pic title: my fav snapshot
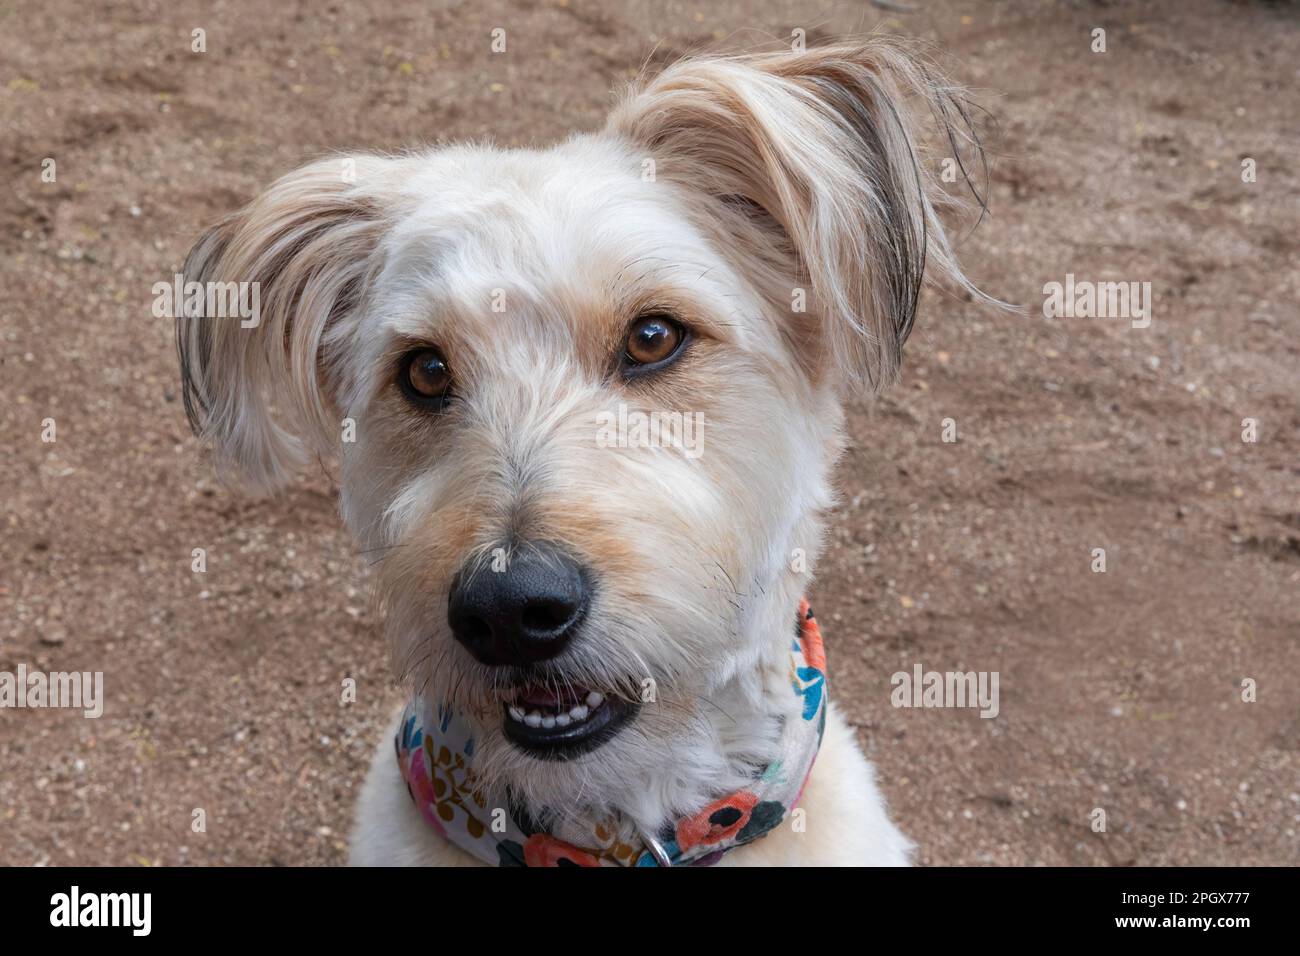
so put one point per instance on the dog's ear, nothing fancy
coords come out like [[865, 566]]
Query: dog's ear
[[259, 388], [824, 146]]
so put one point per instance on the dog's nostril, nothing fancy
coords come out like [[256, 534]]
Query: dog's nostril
[[473, 628], [522, 614], [546, 616]]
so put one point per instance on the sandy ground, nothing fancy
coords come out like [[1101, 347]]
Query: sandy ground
[[1119, 691]]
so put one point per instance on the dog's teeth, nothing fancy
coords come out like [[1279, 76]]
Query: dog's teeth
[[548, 719]]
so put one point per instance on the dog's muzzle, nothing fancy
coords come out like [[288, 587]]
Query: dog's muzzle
[[518, 614]]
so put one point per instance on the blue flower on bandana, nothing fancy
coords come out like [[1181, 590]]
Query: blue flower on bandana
[[813, 680], [809, 683]]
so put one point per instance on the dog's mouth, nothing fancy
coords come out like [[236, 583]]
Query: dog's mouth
[[559, 723]]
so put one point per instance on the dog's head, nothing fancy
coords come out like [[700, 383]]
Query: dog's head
[[585, 399]]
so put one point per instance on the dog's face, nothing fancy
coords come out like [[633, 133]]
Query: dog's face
[[551, 567], [585, 400]]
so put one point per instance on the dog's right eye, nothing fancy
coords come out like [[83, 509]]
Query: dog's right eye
[[425, 378], [653, 341]]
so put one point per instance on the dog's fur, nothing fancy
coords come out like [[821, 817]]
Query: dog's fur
[[770, 174]]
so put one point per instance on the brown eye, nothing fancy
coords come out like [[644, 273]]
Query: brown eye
[[653, 340], [425, 377]]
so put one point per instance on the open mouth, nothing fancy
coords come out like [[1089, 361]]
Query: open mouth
[[560, 723]]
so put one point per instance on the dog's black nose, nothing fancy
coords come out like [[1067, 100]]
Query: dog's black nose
[[522, 610]]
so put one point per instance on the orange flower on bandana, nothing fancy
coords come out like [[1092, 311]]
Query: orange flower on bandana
[[541, 849], [720, 820], [813, 651]]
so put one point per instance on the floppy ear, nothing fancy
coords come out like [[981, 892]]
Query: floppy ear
[[259, 389], [824, 143]]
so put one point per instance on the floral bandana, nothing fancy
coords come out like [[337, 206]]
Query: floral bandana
[[435, 751]]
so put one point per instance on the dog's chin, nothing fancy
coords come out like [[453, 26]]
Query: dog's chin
[[549, 723]]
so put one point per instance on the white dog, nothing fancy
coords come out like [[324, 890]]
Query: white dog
[[585, 403]]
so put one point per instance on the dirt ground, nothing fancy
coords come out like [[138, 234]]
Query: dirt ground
[[1120, 691]]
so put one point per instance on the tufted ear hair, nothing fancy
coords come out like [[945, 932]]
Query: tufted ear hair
[[824, 145], [258, 385]]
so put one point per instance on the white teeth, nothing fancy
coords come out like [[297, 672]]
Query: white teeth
[[539, 718]]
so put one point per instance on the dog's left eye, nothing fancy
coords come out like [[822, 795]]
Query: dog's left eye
[[652, 342], [425, 378]]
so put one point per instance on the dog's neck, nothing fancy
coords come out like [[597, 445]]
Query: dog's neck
[[740, 775]]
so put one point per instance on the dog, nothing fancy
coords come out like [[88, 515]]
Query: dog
[[610, 655]]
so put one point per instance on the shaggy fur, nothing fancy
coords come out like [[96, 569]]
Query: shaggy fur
[[720, 191]]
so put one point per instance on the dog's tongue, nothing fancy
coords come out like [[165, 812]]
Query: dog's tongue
[[538, 696]]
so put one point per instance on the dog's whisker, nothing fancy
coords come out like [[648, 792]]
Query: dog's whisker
[[382, 547]]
